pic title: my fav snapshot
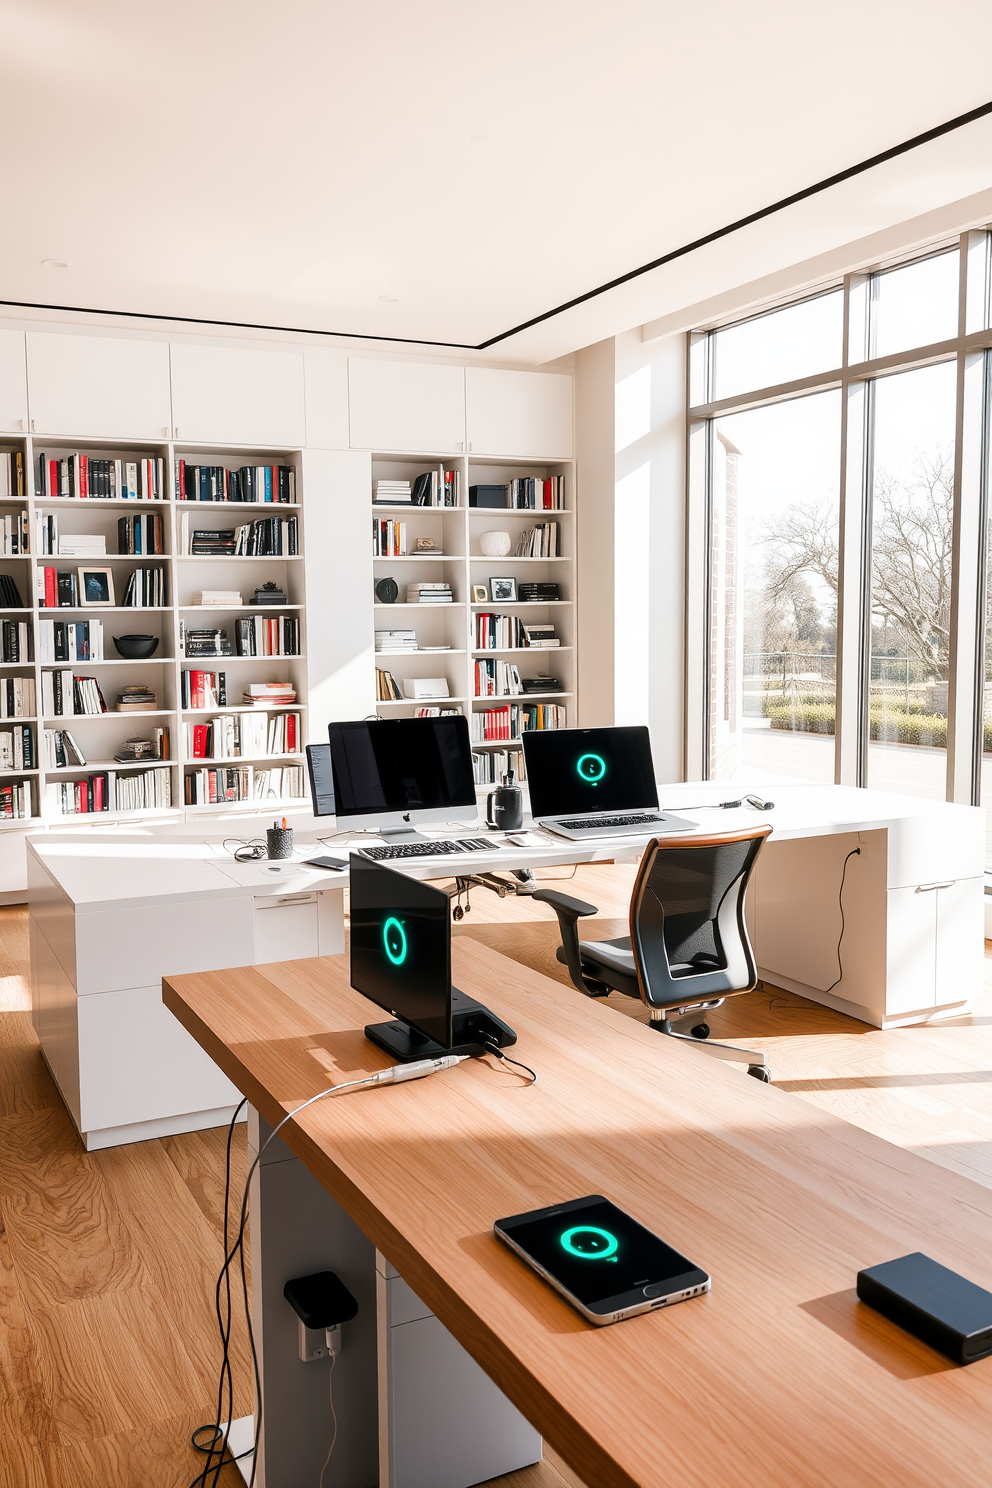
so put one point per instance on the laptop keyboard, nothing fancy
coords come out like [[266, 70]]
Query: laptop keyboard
[[638, 819], [439, 849]]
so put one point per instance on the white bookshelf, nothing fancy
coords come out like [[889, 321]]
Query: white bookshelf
[[458, 531], [101, 736]]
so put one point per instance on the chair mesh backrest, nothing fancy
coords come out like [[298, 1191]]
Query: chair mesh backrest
[[687, 918]]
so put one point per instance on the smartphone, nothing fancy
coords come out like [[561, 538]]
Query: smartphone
[[337, 864], [606, 1264]]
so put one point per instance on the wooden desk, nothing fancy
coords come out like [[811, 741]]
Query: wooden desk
[[778, 1378]]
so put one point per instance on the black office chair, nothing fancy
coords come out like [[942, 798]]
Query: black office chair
[[688, 948]]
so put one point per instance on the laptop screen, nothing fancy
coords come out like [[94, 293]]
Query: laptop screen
[[573, 772]]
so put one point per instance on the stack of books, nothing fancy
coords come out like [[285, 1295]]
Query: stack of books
[[392, 492], [268, 537], [13, 534], [10, 595], [211, 541], [540, 593], [538, 542], [396, 640], [269, 694], [17, 749], [221, 597], [136, 699], [82, 476], [14, 642], [17, 697], [82, 545], [542, 636], [203, 641], [429, 593], [66, 640]]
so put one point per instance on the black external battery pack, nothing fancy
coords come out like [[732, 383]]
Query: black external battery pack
[[945, 1310]]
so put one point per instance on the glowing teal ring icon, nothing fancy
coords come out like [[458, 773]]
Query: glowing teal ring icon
[[597, 772], [396, 953], [612, 1243]]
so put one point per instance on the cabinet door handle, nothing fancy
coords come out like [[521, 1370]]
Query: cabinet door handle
[[33, 426], [929, 888]]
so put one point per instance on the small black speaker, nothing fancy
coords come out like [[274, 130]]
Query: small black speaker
[[387, 591]]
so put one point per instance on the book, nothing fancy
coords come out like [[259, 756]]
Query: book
[[87, 477]]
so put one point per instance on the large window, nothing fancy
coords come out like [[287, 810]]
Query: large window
[[848, 583]]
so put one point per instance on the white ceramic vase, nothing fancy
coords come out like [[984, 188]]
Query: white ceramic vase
[[495, 544]]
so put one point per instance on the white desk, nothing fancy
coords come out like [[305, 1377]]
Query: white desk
[[111, 913]]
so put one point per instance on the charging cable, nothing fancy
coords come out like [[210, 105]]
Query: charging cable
[[217, 1444], [854, 853], [492, 1047]]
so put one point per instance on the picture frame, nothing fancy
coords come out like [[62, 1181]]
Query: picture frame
[[480, 594], [96, 586], [503, 591]]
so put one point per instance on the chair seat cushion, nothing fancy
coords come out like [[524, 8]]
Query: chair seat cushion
[[612, 955]]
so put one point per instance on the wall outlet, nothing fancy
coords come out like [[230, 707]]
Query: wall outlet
[[312, 1342]]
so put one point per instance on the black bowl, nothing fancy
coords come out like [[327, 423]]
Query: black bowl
[[134, 647]]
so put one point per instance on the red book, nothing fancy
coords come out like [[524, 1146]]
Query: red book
[[199, 741], [98, 793], [51, 589], [54, 486], [182, 480], [291, 733], [197, 690], [84, 475]]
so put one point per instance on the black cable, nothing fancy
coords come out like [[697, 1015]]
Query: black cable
[[492, 1047], [854, 853], [245, 851]]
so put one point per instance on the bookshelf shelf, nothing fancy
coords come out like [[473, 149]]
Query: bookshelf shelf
[[112, 713], [522, 651], [520, 697], [243, 708], [97, 503], [241, 609], [239, 558], [16, 774], [244, 759], [108, 764]]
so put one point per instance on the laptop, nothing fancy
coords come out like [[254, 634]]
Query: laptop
[[596, 782]]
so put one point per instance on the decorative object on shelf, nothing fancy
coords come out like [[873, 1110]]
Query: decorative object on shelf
[[387, 591], [137, 749], [427, 545], [480, 594], [503, 591], [425, 687], [136, 647], [269, 594], [487, 496], [96, 586], [495, 544], [136, 699]]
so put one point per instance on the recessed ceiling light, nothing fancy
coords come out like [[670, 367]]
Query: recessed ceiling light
[[389, 299], [54, 263]]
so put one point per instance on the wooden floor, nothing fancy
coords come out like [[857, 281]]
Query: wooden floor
[[108, 1260]]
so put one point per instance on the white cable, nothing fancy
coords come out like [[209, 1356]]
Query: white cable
[[334, 1418]]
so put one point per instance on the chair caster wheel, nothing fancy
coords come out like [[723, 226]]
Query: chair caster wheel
[[760, 1072], [701, 1031], [457, 913]]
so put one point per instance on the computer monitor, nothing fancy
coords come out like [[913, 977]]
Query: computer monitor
[[575, 772], [401, 961], [390, 772], [321, 779]]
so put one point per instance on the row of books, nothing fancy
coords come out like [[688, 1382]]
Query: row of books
[[108, 790], [204, 787], [388, 538], [203, 640], [17, 697], [268, 537], [264, 635], [78, 588], [509, 722], [387, 689], [145, 589], [68, 640], [538, 542], [497, 679], [49, 540], [17, 748], [491, 765], [14, 641], [244, 736], [64, 693], [59, 750], [436, 487], [203, 689], [495, 632], [247, 483], [15, 800], [396, 640], [141, 534], [10, 595], [85, 476], [12, 473], [528, 493], [437, 713], [13, 534]]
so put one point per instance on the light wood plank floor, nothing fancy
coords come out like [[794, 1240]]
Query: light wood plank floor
[[107, 1260]]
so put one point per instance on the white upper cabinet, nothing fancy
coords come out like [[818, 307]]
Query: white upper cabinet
[[518, 413], [228, 395], [13, 383], [326, 374], [416, 406], [98, 386]]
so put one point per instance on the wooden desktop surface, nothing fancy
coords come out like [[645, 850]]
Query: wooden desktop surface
[[778, 1377]]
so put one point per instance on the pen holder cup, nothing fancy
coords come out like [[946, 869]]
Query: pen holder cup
[[279, 842]]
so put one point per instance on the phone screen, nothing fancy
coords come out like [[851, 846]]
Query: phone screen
[[595, 1250]]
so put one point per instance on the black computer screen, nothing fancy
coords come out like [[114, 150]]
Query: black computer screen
[[577, 771], [402, 764], [401, 947]]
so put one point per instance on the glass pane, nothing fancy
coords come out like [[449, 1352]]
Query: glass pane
[[773, 615], [986, 778], [795, 342], [917, 305], [912, 512]]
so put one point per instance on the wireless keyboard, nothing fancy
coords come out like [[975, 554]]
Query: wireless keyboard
[[640, 819], [440, 849]]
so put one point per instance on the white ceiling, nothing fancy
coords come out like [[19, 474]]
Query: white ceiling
[[288, 164]]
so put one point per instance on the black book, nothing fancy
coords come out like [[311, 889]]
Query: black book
[[64, 586], [9, 593], [421, 493], [247, 475]]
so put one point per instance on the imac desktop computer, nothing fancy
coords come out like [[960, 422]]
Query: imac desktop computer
[[389, 773], [401, 960]]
